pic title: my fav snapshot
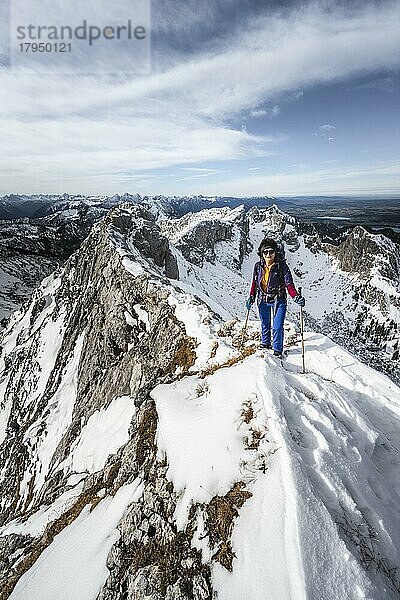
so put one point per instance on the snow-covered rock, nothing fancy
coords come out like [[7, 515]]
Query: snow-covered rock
[[145, 454]]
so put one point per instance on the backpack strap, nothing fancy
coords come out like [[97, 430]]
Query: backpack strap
[[282, 287], [259, 292]]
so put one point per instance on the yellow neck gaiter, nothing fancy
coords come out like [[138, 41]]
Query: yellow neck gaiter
[[265, 277]]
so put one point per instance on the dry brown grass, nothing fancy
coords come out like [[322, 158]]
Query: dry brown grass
[[256, 437], [146, 433], [184, 357], [214, 349], [220, 514], [202, 388], [247, 412], [227, 329], [232, 361]]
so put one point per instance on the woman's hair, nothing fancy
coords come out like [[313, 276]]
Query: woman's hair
[[267, 243]]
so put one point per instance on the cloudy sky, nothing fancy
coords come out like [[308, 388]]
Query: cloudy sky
[[244, 97]]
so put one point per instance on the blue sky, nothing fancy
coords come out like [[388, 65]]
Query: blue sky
[[244, 98]]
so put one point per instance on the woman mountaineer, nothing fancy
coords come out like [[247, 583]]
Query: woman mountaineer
[[271, 279]]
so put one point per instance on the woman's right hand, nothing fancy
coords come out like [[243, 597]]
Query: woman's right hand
[[249, 302]]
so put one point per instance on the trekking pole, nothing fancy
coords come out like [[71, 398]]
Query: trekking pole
[[244, 329], [302, 335]]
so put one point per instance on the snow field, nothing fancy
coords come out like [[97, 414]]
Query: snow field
[[198, 431], [43, 442], [104, 433], [73, 567], [341, 423], [38, 521]]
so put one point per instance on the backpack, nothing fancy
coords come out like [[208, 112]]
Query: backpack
[[281, 255]]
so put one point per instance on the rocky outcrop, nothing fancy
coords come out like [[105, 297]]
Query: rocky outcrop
[[199, 244], [358, 252], [198, 235], [32, 248], [361, 252], [117, 357], [152, 559], [105, 328]]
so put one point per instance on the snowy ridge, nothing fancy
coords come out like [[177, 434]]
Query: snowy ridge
[[334, 433], [172, 463]]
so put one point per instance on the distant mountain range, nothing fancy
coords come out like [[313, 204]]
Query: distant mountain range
[[16, 206], [340, 210]]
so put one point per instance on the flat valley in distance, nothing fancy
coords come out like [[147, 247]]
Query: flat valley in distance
[[334, 216], [348, 211]]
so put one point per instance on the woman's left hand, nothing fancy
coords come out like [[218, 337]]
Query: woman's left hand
[[299, 300]]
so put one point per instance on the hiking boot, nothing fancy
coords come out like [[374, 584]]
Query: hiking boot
[[278, 354], [265, 346]]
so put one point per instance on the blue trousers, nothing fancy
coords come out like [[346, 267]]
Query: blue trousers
[[265, 309]]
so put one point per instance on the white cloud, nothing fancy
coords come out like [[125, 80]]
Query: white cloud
[[270, 112], [62, 132], [373, 178], [324, 129], [199, 170], [258, 113], [297, 95], [106, 149]]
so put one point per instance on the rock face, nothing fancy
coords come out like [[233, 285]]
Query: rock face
[[85, 309], [374, 260], [198, 236], [106, 291], [101, 331], [360, 252], [32, 248]]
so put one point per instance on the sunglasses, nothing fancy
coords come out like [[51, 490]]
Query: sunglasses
[[269, 251]]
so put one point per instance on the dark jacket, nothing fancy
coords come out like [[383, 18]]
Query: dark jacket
[[280, 280]]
